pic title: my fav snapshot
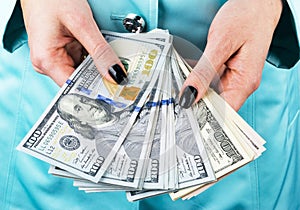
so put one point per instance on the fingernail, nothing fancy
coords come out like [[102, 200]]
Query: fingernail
[[188, 97], [117, 73]]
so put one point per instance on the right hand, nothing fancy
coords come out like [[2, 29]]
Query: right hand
[[59, 32]]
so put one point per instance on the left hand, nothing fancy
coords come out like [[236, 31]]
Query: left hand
[[238, 42]]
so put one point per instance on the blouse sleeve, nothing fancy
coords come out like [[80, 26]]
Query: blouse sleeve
[[285, 47], [12, 29]]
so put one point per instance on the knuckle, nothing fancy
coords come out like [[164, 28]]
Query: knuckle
[[200, 79], [100, 50], [38, 70], [255, 83], [252, 83], [38, 61], [76, 19], [203, 75]]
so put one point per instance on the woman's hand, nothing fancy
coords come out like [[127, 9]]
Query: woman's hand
[[59, 32], [238, 42]]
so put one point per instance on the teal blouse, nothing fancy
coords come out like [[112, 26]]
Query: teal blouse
[[270, 182]]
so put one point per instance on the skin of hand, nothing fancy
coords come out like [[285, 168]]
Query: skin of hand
[[59, 32], [237, 45]]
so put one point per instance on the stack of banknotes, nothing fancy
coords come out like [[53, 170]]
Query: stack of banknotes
[[135, 137]]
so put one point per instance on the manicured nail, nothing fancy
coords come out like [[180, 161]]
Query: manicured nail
[[188, 97], [117, 73]]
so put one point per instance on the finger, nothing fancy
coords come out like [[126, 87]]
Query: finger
[[222, 43], [234, 98], [208, 69], [236, 86], [60, 73], [58, 67], [215, 83], [196, 83], [88, 34], [76, 51]]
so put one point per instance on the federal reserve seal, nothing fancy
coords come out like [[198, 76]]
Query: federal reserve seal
[[69, 142]]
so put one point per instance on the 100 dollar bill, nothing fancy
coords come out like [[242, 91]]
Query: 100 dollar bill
[[77, 131]]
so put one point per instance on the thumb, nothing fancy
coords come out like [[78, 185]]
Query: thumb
[[235, 87], [86, 31], [209, 68], [219, 49]]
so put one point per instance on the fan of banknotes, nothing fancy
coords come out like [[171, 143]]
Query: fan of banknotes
[[135, 137]]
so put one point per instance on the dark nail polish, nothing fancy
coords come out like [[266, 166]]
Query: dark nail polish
[[117, 73], [188, 97]]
